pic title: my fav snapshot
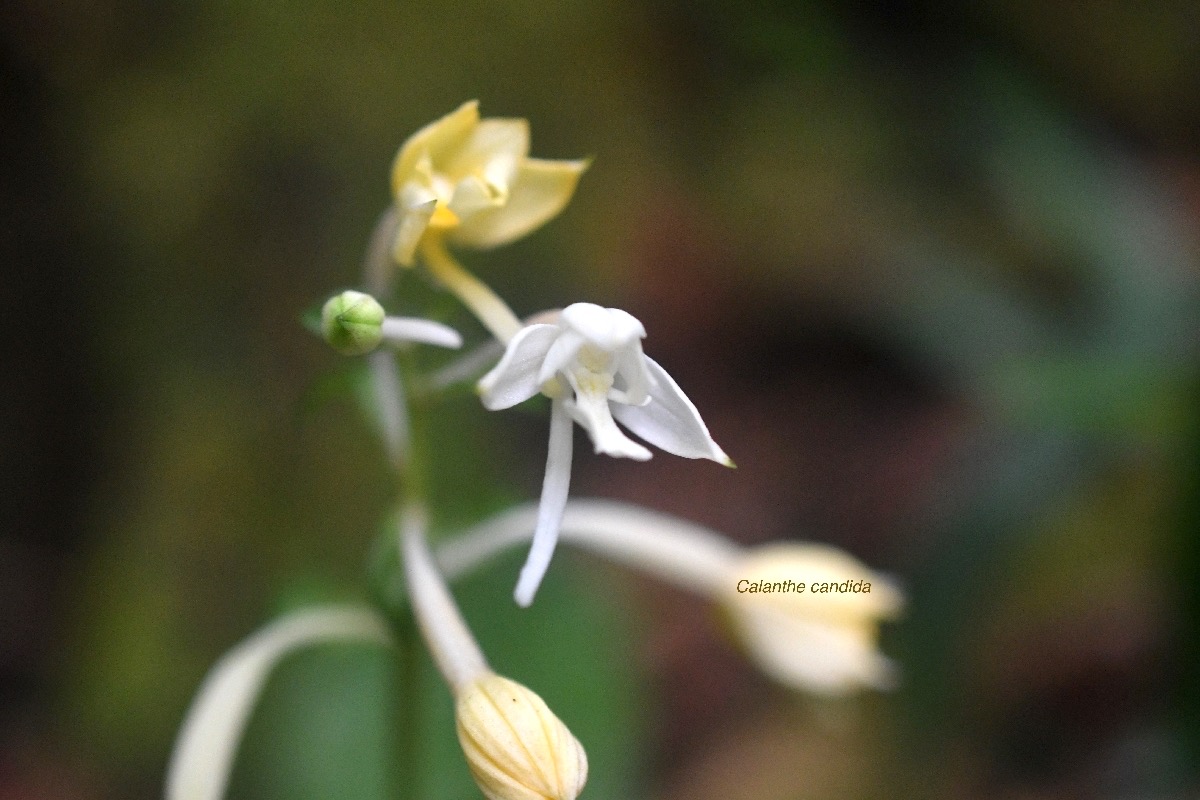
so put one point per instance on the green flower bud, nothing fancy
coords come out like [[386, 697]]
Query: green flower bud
[[352, 323]]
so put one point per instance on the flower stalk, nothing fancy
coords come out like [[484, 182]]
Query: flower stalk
[[819, 638], [476, 295], [455, 651], [516, 748]]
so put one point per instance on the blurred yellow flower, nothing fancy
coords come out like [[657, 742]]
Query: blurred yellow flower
[[516, 748], [809, 615], [472, 180]]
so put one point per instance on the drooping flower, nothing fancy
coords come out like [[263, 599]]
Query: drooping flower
[[473, 181], [808, 615], [590, 362]]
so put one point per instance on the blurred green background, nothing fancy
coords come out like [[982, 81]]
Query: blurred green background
[[928, 269]]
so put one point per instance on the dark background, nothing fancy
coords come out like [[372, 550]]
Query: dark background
[[928, 269]]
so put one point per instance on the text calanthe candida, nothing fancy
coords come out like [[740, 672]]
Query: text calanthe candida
[[745, 586]]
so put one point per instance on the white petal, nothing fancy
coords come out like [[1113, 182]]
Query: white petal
[[208, 740], [555, 487], [632, 368], [592, 412], [588, 319], [683, 553], [437, 139], [610, 329], [515, 378], [670, 421], [538, 192], [398, 330], [560, 355]]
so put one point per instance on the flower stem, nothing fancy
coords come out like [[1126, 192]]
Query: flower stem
[[378, 265], [681, 552], [454, 649], [476, 295], [441, 624], [410, 715], [392, 408]]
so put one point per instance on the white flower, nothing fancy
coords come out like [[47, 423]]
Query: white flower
[[473, 180], [590, 362]]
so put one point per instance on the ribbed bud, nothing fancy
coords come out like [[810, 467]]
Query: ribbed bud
[[516, 748], [352, 323]]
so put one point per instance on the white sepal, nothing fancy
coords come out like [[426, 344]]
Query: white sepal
[[515, 378], [670, 421], [399, 330], [555, 487]]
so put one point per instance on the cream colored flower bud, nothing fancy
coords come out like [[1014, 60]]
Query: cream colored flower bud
[[809, 615], [352, 323], [516, 748]]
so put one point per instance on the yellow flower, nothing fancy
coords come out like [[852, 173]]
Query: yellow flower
[[472, 181], [809, 615], [516, 748]]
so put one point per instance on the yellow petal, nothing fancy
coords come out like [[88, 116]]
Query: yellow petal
[[438, 139], [473, 195], [811, 654], [492, 151], [416, 207], [817, 565], [540, 190]]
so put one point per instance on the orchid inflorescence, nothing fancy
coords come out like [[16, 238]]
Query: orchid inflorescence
[[462, 181]]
